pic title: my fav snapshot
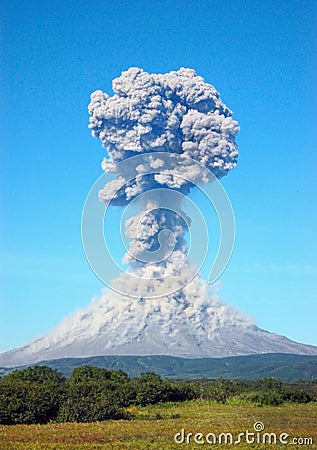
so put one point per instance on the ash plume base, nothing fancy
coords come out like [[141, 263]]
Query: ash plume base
[[191, 324]]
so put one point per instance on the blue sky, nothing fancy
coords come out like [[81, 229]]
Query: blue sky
[[261, 56]]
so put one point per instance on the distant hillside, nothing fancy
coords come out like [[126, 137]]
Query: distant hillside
[[285, 367]]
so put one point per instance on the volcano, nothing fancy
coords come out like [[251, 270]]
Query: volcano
[[165, 135]]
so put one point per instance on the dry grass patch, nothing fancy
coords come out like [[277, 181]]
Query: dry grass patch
[[154, 428]]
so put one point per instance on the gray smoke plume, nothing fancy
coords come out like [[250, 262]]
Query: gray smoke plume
[[150, 114], [176, 112]]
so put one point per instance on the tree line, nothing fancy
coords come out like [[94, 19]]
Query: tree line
[[39, 394]]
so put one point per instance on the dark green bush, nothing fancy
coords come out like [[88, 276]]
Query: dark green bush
[[268, 398], [296, 396], [27, 402], [90, 402]]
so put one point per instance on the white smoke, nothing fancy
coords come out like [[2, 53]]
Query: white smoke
[[119, 321]]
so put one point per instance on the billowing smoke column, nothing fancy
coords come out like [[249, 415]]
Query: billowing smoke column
[[148, 114]]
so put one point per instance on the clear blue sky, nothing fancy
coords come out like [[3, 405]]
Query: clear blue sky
[[260, 55]]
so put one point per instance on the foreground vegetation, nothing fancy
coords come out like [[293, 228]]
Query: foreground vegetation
[[97, 408], [154, 427], [39, 395]]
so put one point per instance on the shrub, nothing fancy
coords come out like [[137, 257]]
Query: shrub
[[261, 398], [296, 396], [30, 403], [89, 402]]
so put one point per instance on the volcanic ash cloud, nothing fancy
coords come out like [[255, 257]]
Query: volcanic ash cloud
[[175, 113]]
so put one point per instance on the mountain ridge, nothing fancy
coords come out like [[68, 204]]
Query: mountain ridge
[[286, 367]]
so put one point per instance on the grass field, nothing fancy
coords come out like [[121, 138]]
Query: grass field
[[153, 428]]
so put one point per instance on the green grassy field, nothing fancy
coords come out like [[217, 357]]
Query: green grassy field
[[154, 428]]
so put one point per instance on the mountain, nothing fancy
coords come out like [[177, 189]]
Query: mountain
[[198, 327]]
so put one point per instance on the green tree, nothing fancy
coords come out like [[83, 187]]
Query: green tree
[[268, 384], [89, 373], [36, 374]]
